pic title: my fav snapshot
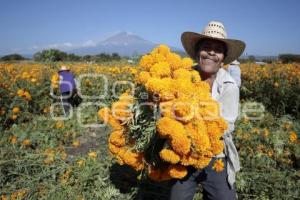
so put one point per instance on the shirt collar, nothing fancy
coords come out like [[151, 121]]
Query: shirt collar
[[223, 77]]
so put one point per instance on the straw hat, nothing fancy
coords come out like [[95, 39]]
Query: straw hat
[[63, 67], [216, 31]]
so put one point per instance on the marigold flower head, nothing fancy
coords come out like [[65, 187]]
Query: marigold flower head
[[59, 124], [26, 142], [157, 57], [117, 138], [143, 77], [293, 137], [199, 137], [181, 144], [166, 109], [167, 126], [76, 143], [154, 85], [161, 69], [113, 148], [184, 109], [16, 110], [13, 139], [184, 88], [217, 146], [104, 114], [202, 162], [80, 162], [174, 60], [20, 92], [169, 156], [196, 77], [177, 171], [92, 154], [126, 97], [167, 92], [120, 110], [218, 165], [162, 49], [187, 159], [134, 160], [146, 62], [187, 63], [14, 117], [182, 73]]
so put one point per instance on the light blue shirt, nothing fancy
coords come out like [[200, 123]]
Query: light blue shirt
[[226, 91], [235, 73]]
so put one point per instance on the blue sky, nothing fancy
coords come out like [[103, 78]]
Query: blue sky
[[268, 27]]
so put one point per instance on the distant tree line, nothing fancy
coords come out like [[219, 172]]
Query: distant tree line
[[250, 59], [289, 58], [12, 57], [54, 55]]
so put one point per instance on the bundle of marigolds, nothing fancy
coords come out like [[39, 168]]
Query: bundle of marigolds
[[168, 122]]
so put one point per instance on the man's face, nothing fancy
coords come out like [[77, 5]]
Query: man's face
[[211, 56]]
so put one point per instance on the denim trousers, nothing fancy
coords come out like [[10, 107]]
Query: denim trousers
[[214, 184]]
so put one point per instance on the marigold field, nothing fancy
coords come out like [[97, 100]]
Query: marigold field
[[43, 156]]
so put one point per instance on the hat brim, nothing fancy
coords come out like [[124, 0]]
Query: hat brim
[[64, 68], [235, 48]]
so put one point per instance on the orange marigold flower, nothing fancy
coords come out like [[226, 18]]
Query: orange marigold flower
[[218, 165], [92, 154], [113, 148], [162, 49], [80, 162], [143, 77], [169, 156], [184, 109], [202, 162], [117, 138], [217, 146], [293, 137], [161, 69], [146, 62], [155, 85], [199, 137], [174, 60], [16, 110], [104, 114], [13, 139], [26, 142], [187, 63], [180, 143], [182, 73], [167, 126], [166, 109], [76, 143], [134, 160], [59, 124], [14, 117], [20, 92], [158, 57], [177, 171]]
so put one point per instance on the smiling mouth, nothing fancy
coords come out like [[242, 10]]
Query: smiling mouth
[[208, 60]]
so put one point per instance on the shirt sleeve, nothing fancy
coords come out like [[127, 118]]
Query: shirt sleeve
[[229, 103], [235, 73]]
